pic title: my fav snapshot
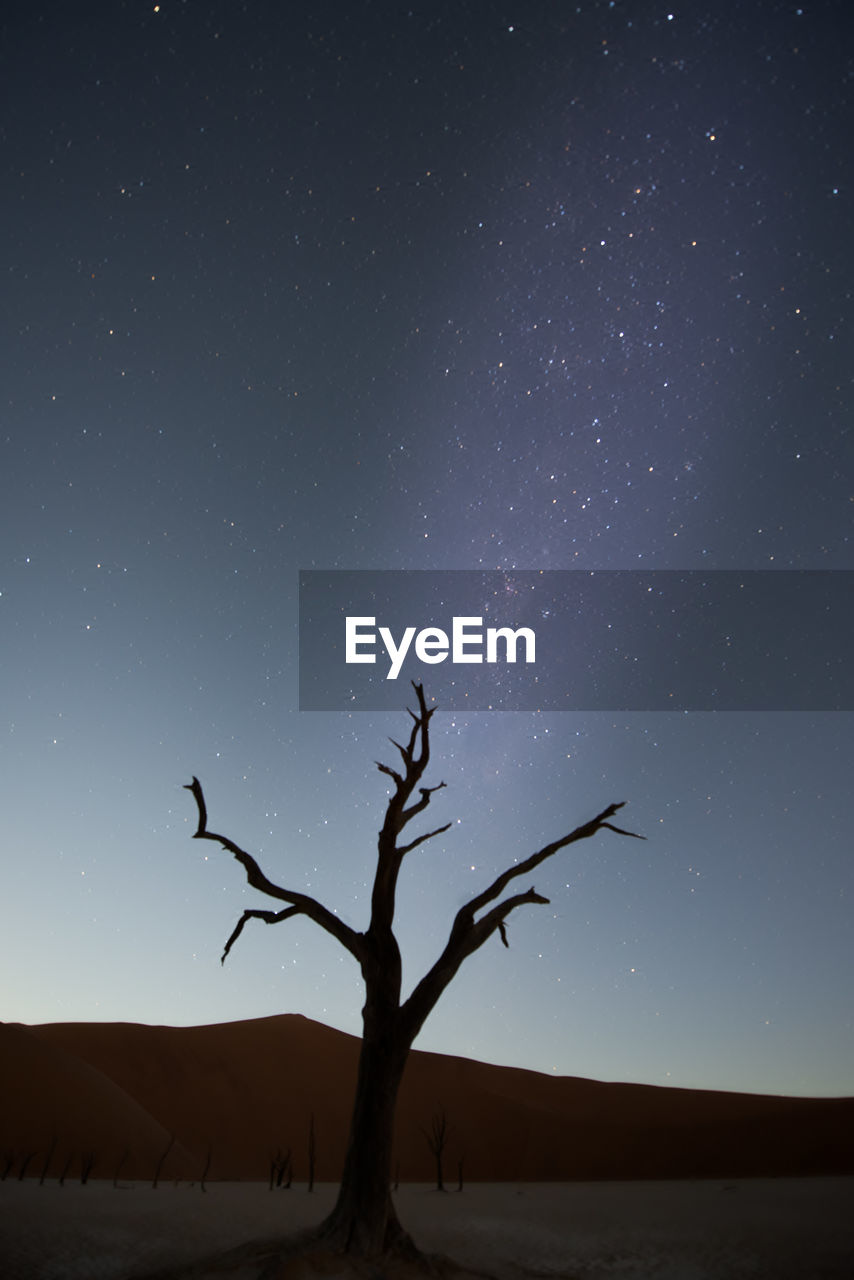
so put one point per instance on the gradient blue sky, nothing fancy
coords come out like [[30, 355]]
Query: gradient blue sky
[[456, 286]]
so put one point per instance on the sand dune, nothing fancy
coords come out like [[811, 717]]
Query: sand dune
[[57, 1111], [245, 1090]]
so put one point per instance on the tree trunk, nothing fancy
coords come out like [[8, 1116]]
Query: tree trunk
[[364, 1221]]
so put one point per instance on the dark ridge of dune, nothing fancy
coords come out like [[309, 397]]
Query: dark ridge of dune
[[53, 1102], [245, 1092]]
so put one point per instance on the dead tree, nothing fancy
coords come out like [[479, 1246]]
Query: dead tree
[[119, 1166], [437, 1137], [280, 1167], [312, 1152], [47, 1160], [87, 1164], [364, 1222], [159, 1166]]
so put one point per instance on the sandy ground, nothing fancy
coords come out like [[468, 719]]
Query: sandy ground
[[779, 1229]]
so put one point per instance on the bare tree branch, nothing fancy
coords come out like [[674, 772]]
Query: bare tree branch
[[468, 934], [397, 816], [300, 903], [407, 848], [587, 829], [426, 793], [415, 756], [497, 917], [269, 917], [392, 773]]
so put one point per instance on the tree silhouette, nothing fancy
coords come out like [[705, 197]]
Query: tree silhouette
[[437, 1137], [364, 1222]]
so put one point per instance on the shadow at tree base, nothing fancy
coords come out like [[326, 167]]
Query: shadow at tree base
[[308, 1257]]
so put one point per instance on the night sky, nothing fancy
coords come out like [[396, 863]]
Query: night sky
[[450, 286]]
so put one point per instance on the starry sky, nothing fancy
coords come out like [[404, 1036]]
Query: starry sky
[[478, 286]]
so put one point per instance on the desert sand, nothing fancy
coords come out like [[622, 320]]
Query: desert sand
[[563, 1177], [757, 1229]]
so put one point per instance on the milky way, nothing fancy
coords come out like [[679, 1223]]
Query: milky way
[[354, 286]]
